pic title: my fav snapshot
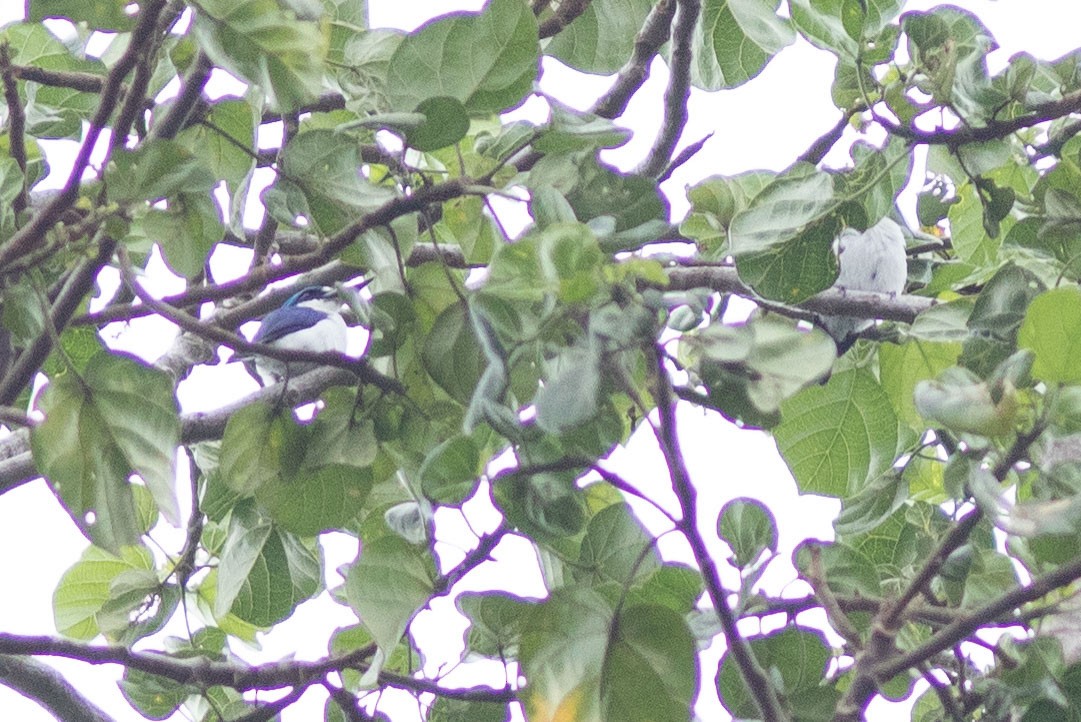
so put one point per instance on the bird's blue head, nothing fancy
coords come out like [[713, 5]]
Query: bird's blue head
[[309, 294]]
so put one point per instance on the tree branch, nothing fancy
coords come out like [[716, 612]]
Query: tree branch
[[647, 43], [568, 11], [43, 684], [678, 91], [758, 683]]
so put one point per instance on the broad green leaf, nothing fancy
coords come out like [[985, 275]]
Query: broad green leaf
[[451, 471], [186, 232], [452, 355], [616, 548], [969, 237], [322, 184], [457, 710], [495, 622], [650, 667], [119, 418], [962, 402], [261, 42], [569, 396], [226, 140], [1052, 329], [600, 39], [339, 435], [255, 442], [820, 21], [902, 367], [796, 658], [387, 586], [156, 698], [86, 588], [97, 14], [486, 60], [738, 38], [157, 170], [563, 649], [749, 529], [314, 500], [762, 363], [835, 438], [265, 572]]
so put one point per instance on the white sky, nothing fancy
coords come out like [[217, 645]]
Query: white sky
[[765, 124]]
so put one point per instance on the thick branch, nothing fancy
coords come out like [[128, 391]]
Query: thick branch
[[678, 91], [568, 11], [204, 673], [43, 684], [651, 37]]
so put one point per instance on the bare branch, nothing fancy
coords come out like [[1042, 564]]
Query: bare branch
[[568, 11], [647, 44], [16, 123], [758, 683], [43, 684], [678, 91]]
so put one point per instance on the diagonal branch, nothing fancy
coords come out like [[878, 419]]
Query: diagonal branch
[[633, 75], [32, 234], [43, 684], [678, 91], [758, 683]]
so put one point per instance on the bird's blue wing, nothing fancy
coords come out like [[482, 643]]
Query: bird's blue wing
[[285, 321]]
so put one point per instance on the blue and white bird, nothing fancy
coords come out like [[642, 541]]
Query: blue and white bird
[[871, 260], [309, 320]]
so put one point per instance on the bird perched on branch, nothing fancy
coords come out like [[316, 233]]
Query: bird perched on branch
[[871, 260], [309, 320]]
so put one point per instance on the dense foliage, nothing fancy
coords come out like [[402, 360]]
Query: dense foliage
[[949, 434]]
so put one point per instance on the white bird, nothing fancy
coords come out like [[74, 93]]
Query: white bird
[[310, 320], [871, 260]]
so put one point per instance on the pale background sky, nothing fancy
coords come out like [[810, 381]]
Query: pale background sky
[[764, 124]]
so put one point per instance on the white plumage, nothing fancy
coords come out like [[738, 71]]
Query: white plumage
[[871, 260], [310, 320]]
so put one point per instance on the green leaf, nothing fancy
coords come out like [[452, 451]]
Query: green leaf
[[451, 471], [156, 170], [119, 418], [738, 37], [563, 648], [569, 397], [650, 667], [264, 572], [616, 548], [600, 39], [97, 14], [322, 184], [445, 123], [452, 356], [387, 586], [337, 437], [486, 60], [255, 442], [156, 698], [312, 501], [259, 41], [820, 21], [87, 587], [495, 622], [763, 362], [749, 529], [796, 658], [902, 367], [1052, 329], [835, 438]]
